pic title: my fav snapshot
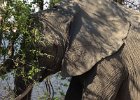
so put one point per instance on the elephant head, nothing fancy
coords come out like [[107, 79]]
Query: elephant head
[[81, 33], [77, 34]]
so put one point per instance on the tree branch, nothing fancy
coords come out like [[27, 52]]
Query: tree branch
[[28, 89]]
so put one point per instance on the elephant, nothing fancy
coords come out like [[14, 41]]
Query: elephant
[[101, 50], [116, 75], [96, 42]]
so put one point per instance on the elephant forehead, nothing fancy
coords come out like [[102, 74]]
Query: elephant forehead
[[97, 31]]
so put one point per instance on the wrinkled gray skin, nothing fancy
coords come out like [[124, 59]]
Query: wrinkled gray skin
[[101, 50], [115, 76]]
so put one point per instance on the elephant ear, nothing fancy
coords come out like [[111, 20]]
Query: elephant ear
[[97, 31]]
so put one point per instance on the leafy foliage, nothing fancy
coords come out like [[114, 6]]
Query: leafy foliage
[[19, 34]]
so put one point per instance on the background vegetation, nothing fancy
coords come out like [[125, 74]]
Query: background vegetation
[[19, 34]]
